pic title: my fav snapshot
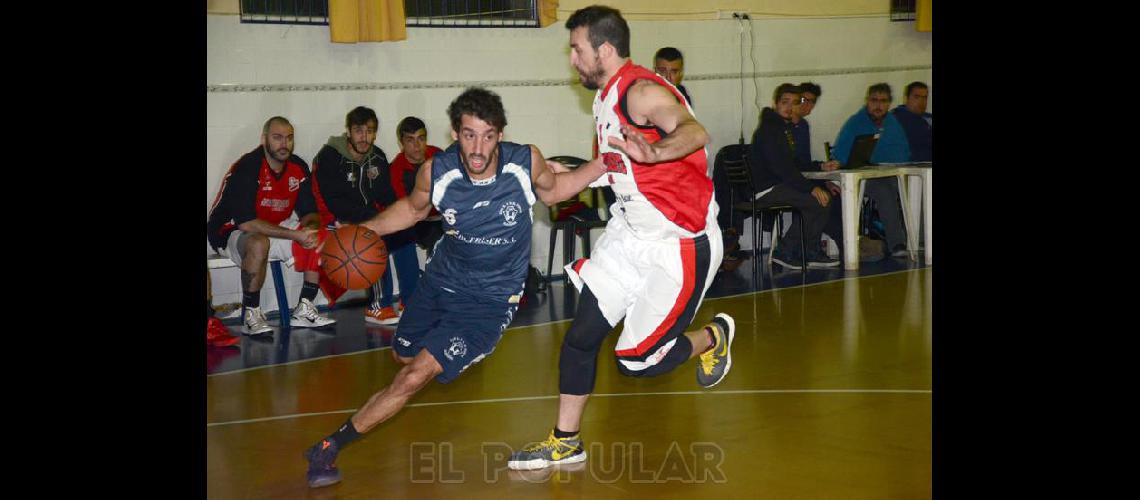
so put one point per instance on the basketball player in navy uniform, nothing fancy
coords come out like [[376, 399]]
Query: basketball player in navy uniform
[[484, 188], [661, 247]]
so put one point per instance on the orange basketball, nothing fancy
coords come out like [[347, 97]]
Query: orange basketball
[[354, 257]]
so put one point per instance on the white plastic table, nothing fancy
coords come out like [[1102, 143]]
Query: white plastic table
[[919, 193], [851, 182]]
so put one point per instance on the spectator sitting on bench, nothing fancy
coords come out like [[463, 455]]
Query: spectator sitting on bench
[[249, 224], [352, 183], [411, 132]]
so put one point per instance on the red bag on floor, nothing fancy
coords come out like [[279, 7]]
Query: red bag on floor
[[218, 335]]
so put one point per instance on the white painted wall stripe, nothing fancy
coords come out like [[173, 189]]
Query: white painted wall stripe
[[549, 82]]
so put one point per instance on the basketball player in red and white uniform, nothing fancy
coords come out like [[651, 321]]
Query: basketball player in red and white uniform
[[661, 248]]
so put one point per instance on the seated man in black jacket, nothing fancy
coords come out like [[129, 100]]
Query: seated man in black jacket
[[352, 184], [778, 181]]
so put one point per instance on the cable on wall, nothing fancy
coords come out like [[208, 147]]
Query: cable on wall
[[741, 79], [755, 71]]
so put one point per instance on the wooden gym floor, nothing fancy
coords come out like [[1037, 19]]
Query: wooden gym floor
[[829, 397]]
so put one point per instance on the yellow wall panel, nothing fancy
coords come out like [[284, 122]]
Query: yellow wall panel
[[923, 18]]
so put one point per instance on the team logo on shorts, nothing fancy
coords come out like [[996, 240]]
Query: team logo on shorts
[[403, 341], [510, 212], [613, 162], [656, 357], [449, 216], [458, 348]]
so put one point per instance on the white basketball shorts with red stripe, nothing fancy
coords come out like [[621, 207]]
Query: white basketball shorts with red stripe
[[655, 285]]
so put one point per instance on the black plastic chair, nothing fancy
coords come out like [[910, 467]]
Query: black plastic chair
[[575, 224], [733, 159]]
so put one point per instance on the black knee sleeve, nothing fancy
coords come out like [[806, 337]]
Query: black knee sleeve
[[576, 370], [578, 360]]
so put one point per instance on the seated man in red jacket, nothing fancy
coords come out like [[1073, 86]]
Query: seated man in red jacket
[[411, 133], [414, 150], [250, 222]]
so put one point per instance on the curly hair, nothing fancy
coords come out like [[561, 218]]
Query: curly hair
[[480, 103], [360, 115]]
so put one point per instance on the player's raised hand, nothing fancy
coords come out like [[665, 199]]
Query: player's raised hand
[[635, 146]]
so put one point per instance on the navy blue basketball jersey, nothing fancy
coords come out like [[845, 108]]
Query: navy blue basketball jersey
[[485, 249]]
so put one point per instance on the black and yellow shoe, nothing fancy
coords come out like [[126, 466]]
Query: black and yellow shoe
[[715, 362], [553, 451]]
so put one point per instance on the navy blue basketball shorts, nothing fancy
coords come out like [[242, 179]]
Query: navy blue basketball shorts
[[457, 329]]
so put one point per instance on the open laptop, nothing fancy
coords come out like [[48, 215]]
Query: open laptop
[[861, 151]]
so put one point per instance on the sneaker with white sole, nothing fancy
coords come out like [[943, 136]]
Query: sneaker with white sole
[[382, 316], [715, 362], [553, 451], [787, 260], [254, 322], [821, 260], [305, 315]]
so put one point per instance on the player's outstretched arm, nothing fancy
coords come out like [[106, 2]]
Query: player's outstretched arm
[[554, 187], [408, 210], [654, 104]]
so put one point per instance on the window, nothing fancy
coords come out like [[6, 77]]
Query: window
[[418, 13], [471, 13], [285, 11], [902, 10]]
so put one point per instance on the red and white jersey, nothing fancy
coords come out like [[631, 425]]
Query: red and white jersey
[[277, 196], [250, 190], [660, 200]]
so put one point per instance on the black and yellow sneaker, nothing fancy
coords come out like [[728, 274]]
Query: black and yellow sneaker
[[553, 451], [715, 362]]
